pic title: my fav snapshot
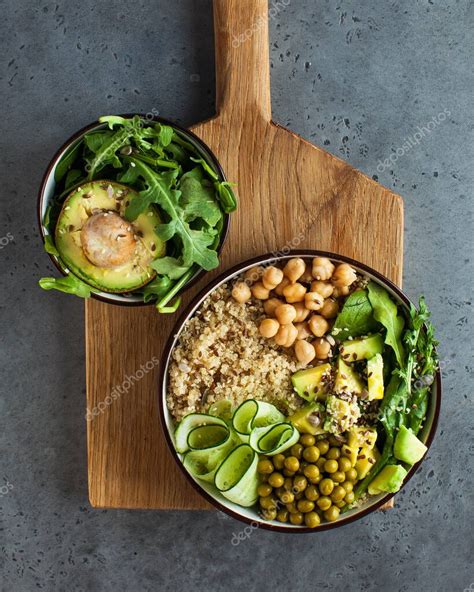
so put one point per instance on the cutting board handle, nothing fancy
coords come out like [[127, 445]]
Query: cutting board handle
[[242, 59]]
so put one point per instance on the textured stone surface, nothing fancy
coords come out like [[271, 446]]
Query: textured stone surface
[[357, 78]]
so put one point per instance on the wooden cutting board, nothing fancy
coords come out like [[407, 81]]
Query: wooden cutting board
[[291, 193]]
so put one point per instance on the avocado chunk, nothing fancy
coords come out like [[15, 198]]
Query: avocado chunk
[[366, 459], [375, 377], [362, 348], [407, 447], [347, 379], [359, 437], [308, 420], [102, 248], [389, 479], [310, 383]]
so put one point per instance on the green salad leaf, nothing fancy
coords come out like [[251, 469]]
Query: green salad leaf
[[356, 317], [69, 284], [195, 242], [386, 312]]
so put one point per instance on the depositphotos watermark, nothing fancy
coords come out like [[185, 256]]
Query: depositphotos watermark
[[413, 140], [6, 240], [260, 22], [6, 488], [122, 389]]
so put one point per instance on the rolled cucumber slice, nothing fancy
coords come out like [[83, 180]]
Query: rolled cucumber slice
[[207, 436], [254, 414], [189, 423], [237, 478], [203, 464], [222, 409], [273, 439]]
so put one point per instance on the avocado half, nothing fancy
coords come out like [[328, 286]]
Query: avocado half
[[99, 245]]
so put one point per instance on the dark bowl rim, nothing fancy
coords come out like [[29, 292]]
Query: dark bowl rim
[[76, 136], [164, 366]]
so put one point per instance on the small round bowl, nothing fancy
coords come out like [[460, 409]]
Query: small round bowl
[[48, 185], [207, 490]]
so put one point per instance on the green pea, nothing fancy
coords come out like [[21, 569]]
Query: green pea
[[264, 490], [296, 518], [292, 464], [311, 493], [338, 476], [324, 503], [276, 480], [330, 466], [326, 486], [332, 514], [338, 494], [311, 472], [307, 440], [323, 446], [311, 454], [265, 467], [333, 453], [278, 461], [312, 519]]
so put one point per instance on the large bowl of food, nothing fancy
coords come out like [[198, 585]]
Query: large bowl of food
[[132, 210], [300, 392]]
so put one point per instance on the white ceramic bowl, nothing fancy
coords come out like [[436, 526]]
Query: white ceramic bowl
[[207, 490]]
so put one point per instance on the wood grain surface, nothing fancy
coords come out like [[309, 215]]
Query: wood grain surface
[[291, 193]]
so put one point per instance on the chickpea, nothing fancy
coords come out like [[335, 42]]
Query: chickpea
[[318, 325], [301, 312], [329, 309], [241, 292], [294, 293], [323, 288], [322, 268], [307, 276], [253, 274], [338, 292], [303, 332], [313, 300], [285, 313], [304, 351], [322, 348], [272, 276], [270, 305], [269, 328], [294, 269], [344, 275], [286, 335], [281, 286], [260, 292]]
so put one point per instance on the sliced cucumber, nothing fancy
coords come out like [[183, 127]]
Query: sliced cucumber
[[237, 478], [203, 464], [273, 439], [254, 414], [207, 436], [188, 423], [222, 409]]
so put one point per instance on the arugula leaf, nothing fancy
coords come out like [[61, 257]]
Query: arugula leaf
[[198, 201], [169, 266], [386, 312], [211, 172], [72, 178], [156, 288], [66, 162], [107, 152], [49, 245], [69, 284], [166, 135], [195, 243], [226, 196], [356, 317]]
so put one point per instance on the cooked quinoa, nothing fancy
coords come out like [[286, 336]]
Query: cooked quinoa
[[221, 355]]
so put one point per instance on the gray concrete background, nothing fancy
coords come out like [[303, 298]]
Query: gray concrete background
[[355, 77]]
